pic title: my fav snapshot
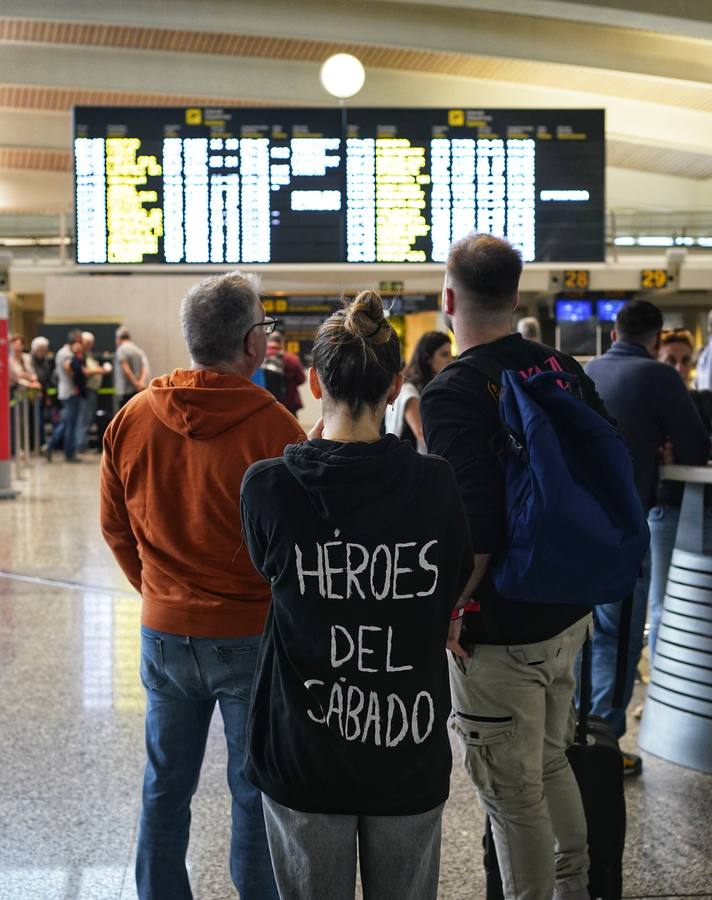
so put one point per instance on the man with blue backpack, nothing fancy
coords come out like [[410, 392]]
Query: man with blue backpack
[[548, 488], [651, 407]]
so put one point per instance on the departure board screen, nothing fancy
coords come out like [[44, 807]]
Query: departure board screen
[[203, 185]]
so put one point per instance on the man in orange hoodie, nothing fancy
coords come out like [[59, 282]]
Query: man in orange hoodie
[[173, 462]]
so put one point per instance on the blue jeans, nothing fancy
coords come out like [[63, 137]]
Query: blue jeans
[[86, 417], [66, 432], [606, 623], [663, 522], [184, 677]]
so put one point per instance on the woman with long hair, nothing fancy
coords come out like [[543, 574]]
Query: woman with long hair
[[432, 353], [367, 548]]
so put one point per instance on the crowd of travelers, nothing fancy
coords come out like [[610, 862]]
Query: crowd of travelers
[[346, 596], [65, 387]]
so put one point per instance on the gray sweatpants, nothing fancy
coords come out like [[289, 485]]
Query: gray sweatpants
[[314, 855], [514, 715]]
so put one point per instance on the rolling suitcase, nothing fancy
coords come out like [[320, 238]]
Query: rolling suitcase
[[596, 760], [598, 766]]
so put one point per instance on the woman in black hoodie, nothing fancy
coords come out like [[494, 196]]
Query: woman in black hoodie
[[367, 547]]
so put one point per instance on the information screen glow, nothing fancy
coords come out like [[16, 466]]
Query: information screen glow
[[573, 310], [201, 185]]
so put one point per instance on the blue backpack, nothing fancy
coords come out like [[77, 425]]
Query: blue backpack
[[576, 529]]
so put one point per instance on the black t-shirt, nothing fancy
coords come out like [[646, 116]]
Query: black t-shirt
[[79, 379], [460, 414], [367, 548]]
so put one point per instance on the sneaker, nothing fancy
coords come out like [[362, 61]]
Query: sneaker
[[632, 764]]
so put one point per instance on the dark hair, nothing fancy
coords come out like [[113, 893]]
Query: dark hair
[[488, 269], [638, 322], [419, 371], [356, 353]]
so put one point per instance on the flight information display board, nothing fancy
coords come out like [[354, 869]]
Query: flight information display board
[[204, 185]]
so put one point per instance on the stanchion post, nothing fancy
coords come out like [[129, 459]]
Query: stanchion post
[[6, 491], [37, 410], [25, 403], [17, 434]]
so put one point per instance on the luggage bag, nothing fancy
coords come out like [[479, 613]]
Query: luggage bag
[[596, 760]]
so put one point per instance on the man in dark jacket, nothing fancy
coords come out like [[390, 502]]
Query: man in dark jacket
[[652, 407], [511, 663]]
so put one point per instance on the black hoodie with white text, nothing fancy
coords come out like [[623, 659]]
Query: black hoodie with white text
[[367, 548]]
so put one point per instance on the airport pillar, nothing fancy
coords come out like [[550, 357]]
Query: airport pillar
[[6, 491]]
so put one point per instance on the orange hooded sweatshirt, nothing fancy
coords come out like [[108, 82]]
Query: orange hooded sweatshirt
[[173, 463]]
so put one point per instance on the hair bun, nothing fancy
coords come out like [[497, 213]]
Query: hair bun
[[364, 318]]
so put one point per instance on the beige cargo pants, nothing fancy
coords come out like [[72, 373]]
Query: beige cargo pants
[[514, 716]]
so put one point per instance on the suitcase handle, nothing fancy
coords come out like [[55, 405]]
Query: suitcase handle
[[584, 692]]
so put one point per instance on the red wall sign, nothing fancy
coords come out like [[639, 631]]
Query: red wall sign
[[4, 382]]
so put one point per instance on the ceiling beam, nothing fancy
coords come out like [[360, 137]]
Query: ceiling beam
[[453, 29], [275, 81], [694, 19]]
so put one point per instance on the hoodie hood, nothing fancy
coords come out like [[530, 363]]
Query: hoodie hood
[[200, 404], [358, 485]]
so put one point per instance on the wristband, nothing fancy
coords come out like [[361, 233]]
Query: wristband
[[457, 614]]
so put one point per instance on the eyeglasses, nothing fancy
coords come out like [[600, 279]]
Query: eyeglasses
[[268, 323]]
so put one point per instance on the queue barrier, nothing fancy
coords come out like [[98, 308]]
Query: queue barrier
[[27, 427], [28, 424]]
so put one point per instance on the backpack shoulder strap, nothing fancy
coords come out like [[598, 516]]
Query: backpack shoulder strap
[[491, 370]]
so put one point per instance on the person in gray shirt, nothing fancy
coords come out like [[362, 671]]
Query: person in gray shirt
[[131, 369], [65, 432]]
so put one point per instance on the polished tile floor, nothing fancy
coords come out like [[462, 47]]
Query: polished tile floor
[[71, 733]]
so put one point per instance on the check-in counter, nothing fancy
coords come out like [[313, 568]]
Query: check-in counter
[[677, 720]]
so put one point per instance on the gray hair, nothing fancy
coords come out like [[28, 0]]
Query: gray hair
[[39, 342], [88, 336], [529, 328], [123, 332], [215, 316]]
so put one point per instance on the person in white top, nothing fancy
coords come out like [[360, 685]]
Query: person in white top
[[432, 353], [703, 379]]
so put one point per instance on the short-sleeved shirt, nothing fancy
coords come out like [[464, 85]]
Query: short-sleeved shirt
[[93, 381], [129, 353], [65, 380], [395, 415], [79, 379]]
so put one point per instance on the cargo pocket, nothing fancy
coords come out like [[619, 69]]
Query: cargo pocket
[[489, 753], [153, 670]]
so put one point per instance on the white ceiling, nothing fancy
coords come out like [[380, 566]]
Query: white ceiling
[[647, 62]]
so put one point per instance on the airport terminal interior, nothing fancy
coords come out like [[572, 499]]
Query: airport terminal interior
[[146, 145]]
